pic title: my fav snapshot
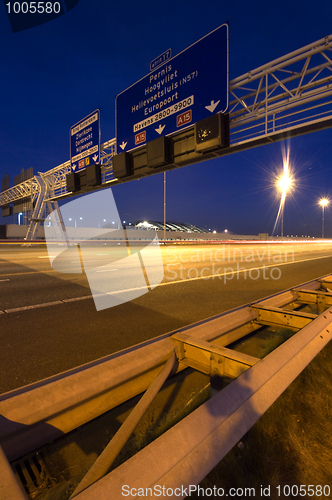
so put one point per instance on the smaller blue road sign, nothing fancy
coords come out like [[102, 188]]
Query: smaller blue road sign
[[176, 93], [85, 142], [161, 59]]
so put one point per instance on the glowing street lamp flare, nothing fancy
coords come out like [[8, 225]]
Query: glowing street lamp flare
[[324, 202], [284, 183]]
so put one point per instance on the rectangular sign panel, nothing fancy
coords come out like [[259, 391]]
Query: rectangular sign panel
[[85, 142], [185, 89], [161, 59]]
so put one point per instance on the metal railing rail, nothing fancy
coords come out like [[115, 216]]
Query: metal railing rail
[[41, 412], [110, 453], [10, 488], [278, 95], [34, 415], [183, 456]]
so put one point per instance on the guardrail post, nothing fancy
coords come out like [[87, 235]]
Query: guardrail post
[[105, 460], [9, 486]]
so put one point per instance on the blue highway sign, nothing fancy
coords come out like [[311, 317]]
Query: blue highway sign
[[185, 89], [85, 142]]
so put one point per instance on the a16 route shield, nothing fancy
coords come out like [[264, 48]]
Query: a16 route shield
[[187, 88]]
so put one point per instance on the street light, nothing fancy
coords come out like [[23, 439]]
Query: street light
[[284, 184], [324, 202]]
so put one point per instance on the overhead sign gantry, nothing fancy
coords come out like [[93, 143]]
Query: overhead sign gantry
[[286, 97], [182, 91]]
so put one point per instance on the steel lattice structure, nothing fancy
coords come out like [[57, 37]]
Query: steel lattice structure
[[292, 92], [289, 96]]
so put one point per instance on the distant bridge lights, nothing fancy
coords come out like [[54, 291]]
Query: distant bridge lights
[[324, 202]]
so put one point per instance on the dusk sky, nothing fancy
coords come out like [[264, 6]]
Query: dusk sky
[[55, 74]]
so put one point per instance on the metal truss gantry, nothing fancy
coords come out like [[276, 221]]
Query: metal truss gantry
[[289, 96], [286, 97], [46, 188]]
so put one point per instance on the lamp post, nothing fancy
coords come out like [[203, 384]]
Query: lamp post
[[323, 203], [164, 208], [284, 185]]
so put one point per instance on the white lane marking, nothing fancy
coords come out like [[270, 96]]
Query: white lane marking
[[75, 299], [107, 270], [90, 260], [24, 308], [5, 280]]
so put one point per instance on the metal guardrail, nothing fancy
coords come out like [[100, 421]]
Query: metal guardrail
[[10, 489], [185, 454], [37, 414]]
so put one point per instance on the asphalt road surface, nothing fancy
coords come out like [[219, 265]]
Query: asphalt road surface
[[49, 322]]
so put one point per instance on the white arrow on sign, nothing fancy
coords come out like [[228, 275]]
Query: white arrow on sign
[[74, 166], [95, 158], [212, 106], [160, 129], [123, 145]]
